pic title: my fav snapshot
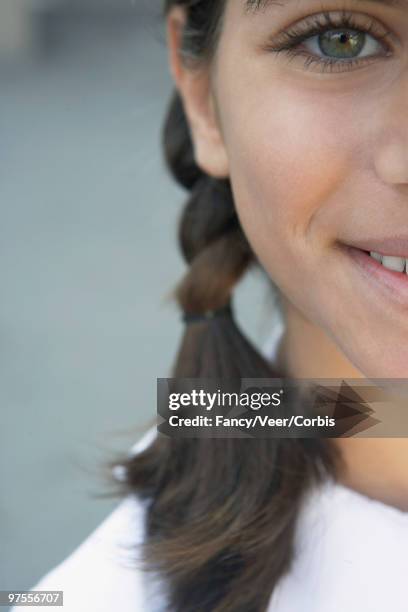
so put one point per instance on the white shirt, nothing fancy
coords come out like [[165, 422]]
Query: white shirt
[[351, 555]]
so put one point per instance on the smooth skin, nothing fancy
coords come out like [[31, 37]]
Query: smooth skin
[[315, 157]]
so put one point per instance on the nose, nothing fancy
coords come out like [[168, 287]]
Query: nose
[[391, 156]]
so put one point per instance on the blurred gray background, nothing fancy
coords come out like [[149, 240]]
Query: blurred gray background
[[88, 252]]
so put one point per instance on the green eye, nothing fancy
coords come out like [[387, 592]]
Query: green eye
[[343, 44], [334, 43]]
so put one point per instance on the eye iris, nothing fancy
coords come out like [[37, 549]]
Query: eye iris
[[342, 43]]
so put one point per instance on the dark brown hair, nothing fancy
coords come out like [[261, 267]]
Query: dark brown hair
[[221, 513]]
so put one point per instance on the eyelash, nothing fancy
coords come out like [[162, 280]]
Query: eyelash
[[319, 24]]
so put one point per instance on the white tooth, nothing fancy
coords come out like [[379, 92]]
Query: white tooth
[[376, 256], [406, 266], [393, 263]]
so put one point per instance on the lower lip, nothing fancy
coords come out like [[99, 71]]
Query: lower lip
[[393, 285]]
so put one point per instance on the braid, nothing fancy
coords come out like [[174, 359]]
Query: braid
[[210, 235], [214, 245], [218, 255]]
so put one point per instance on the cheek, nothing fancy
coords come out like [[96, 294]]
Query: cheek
[[288, 158]]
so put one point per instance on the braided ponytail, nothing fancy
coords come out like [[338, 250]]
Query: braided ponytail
[[221, 513], [218, 254]]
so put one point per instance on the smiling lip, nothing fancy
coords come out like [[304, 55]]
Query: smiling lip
[[396, 246], [388, 283]]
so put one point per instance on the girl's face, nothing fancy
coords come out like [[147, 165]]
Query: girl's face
[[311, 102]]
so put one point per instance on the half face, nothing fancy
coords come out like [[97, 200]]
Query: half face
[[312, 103]]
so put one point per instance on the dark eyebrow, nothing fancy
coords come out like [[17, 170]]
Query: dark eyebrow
[[253, 6]]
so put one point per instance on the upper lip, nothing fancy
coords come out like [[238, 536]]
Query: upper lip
[[395, 246]]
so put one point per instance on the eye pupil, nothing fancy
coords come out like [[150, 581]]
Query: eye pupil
[[341, 44]]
